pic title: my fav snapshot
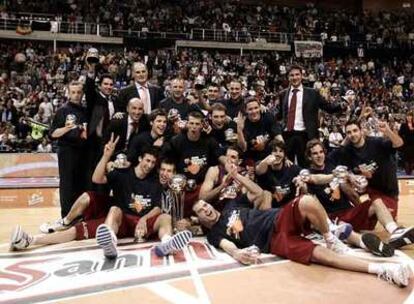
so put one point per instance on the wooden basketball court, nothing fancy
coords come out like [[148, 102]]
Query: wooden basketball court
[[200, 275]]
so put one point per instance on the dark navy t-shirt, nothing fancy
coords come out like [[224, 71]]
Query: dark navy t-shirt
[[379, 151], [128, 188], [254, 227]]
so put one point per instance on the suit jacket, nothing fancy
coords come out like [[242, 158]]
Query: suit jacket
[[97, 107], [120, 128], [312, 103], [156, 95]]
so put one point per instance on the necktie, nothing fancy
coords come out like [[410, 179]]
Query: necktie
[[292, 111], [143, 94]]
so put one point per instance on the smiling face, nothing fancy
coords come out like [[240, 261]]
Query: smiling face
[[218, 119], [235, 89], [317, 156], [158, 125], [135, 109], [177, 88], [147, 163], [279, 155], [206, 213], [166, 173], [295, 78], [354, 134], [107, 86], [213, 93], [253, 111]]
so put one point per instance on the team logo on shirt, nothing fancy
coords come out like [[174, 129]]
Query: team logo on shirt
[[194, 164], [71, 120], [139, 202], [259, 143], [234, 225]]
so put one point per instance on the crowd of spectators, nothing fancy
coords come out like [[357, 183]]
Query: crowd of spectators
[[387, 29], [33, 83]]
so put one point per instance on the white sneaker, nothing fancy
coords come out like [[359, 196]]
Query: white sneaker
[[50, 227], [398, 274], [107, 240], [401, 237], [337, 246], [342, 231], [19, 239], [175, 243]]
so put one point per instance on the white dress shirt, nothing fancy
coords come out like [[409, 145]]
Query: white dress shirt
[[299, 122]]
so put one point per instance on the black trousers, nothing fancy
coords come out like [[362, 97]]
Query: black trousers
[[295, 146], [72, 174]]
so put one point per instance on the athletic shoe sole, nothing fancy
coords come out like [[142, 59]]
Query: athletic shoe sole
[[376, 246], [177, 242], [406, 238], [106, 242], [15, 236]]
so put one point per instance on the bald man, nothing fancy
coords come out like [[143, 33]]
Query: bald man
[[150, 94], [129, 125]]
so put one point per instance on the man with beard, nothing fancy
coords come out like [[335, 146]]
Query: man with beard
[[155, 137], [374, 158], [150, 94]]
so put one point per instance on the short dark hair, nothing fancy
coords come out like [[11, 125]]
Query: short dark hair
[[157, 112], [312, 143], [295, 67], [235, 148], [353, 121], [277, 143], [249, 100], [196, 114], [154, 151], [168, 161], [105, 76]]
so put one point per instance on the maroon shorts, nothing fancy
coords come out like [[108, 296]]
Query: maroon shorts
[[93, 215], [286, 240], [99, 205], [357, 216], [190, 199], [129, 222], [390, 202]]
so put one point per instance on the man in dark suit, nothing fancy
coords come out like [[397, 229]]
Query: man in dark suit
[[128, 126], [150, 94], [298, 112], [100, 109]]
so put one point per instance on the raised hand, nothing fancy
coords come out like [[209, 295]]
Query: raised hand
[[110, 146]]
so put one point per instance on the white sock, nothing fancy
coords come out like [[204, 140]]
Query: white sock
[[391, 227], [165, 238], [361, 244], [65, 221], [329, 237], [374, 268]]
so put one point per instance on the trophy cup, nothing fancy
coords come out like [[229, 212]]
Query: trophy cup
[[121, 161], [177, 185], [360, 182], [70, 120], [92, 56]]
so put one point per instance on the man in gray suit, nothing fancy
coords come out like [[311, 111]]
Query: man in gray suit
[[298, 112]]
